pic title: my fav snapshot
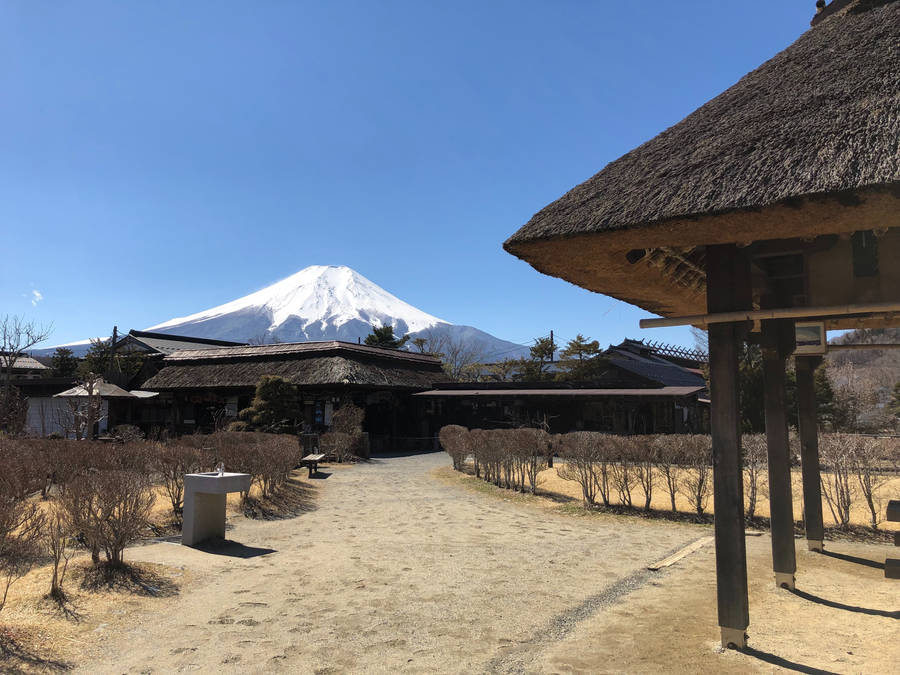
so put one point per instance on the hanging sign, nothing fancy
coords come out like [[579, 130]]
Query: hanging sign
[[811, 338]]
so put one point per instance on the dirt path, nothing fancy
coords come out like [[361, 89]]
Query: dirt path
[[393, 571]]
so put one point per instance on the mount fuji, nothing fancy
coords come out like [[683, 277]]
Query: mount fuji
[[328, 303]]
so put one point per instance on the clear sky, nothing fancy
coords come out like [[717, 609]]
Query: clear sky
[[160, 158]]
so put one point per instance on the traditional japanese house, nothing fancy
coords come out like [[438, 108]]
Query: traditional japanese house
[[640, 391], [775, 203], [205, 388]]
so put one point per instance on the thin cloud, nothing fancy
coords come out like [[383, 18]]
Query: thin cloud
[[36, 297]]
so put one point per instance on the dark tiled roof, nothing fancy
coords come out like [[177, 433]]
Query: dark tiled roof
[[514, 393]]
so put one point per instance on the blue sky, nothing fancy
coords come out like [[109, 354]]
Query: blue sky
[[159, 158]]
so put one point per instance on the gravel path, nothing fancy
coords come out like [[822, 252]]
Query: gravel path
[[393, 571]]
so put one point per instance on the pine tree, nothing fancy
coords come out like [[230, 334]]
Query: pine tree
[[384, 337], [64, 362], [275, 407], [580, 360], [579, 348]]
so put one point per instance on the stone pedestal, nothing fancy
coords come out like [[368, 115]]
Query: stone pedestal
[[204, 504]]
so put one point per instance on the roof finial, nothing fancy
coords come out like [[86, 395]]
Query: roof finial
[[820, 5]]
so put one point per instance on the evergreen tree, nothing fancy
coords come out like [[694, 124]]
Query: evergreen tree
[[275, 407], [541, 354], [64, 362], [580, 360], [114, 366], [579, 348], [384, 337]]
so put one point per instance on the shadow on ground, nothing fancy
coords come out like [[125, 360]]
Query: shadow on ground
[[131, 579], [854, 559], [840, 605], [781, 662], [291, 499], [18, 657], [232, 549]]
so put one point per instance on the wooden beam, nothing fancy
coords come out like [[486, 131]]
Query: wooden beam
[[735, 316], [727, 271], [809, 451], [774, 352]]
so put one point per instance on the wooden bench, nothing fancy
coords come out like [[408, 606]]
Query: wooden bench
[[312, 462], [892, 565]]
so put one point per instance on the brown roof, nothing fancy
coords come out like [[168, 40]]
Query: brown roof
[[302, 364], [816, 126], [489, 393], [300, 348]]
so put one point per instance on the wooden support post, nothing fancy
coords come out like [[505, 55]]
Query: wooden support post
[[774, 352], [724, 268], [809, 452]]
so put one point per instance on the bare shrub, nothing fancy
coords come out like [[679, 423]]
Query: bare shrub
[[669, 457], [836, 453], [339, 445], [171, 461], [348, 419], [696, 482], [59, 544], [755, 450], [869, 458], [110, 508], [645, 451], [581, 452], [20, 529], [453, 441], [532, 452], [127, 433], [277, 458], [623, 456]]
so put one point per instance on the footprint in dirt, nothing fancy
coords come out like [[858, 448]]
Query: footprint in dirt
[[183, 650]]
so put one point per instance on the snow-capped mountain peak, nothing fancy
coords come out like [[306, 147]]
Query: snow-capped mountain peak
[[325, 302], [307, 305]]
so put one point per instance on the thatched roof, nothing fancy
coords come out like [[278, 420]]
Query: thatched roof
[[313, 364], [807, 144]]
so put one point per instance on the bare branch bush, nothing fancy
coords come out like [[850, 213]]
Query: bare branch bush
[[670, 454], [836, 454], [59, 543], [581, 452], [532, 451], [755, 450], [171, 461], [696, 482], [870, 458], [645, 454], [623, 453], [20, 526], [453, 441]]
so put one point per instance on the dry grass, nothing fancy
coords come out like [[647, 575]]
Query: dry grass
[[38, 635], [556, 491]]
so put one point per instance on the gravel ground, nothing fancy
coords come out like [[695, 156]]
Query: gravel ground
[[393, 571]]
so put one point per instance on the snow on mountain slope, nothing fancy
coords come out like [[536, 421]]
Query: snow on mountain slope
[[327, 303], [312, 302], [323, 303]]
